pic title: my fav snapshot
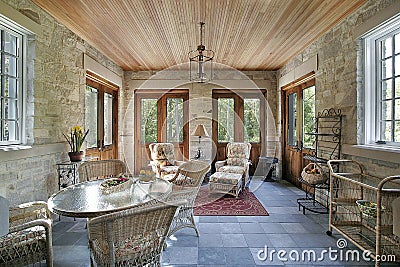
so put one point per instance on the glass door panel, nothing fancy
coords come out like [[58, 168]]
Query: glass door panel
[[251, 121], [91, 105], [174, 120], [292, 119], [108, 119], [148, 120], [308, 116], [226, 119]]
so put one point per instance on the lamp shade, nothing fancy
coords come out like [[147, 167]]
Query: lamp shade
[[200, 131]]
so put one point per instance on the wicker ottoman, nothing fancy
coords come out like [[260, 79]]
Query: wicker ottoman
[[226, 182]]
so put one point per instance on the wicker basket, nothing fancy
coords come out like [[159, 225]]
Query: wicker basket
[[115, 188], [313, 178]]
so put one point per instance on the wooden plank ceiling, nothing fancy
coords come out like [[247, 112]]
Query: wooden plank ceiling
[[156, 34]]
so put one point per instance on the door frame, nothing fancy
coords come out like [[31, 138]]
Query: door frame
[[161, 96], [103, 86], [257, 149]]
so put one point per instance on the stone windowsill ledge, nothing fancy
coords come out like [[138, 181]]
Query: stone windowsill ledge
[[379, 152], [16, 152]]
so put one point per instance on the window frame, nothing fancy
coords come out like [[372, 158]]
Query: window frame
[[372, 81], [14, 29]]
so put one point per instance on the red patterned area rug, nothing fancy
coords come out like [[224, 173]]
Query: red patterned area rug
[[246, 204]]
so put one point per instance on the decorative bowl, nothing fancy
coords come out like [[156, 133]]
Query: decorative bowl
[[368, 208], [117, 184]]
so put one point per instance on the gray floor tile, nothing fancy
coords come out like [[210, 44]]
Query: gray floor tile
[[238, 256], [233, 240], [180, 255], [251, 228], [211, 256], [210, 240]]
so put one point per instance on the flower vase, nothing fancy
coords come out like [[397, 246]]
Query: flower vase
[[75, 156]]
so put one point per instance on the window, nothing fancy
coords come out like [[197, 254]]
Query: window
[[11, 94], [226, 117], [382, 84]]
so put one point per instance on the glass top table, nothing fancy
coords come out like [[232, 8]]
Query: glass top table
[[87, 200]]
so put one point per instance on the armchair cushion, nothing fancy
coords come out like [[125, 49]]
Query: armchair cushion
[[232, 169]]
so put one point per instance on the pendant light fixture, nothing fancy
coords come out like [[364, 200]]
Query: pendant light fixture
[[201, 61]]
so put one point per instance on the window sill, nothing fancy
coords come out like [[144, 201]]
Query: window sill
[[14, 147], [379, 152], [17, 152]]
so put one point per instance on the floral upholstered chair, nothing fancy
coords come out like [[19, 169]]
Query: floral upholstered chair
[[163, 160], [238, 155]]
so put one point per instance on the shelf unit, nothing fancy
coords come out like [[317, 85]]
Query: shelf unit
[[368, 233], [327, 146]]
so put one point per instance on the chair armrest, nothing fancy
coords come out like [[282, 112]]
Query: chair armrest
[[46, 223], [179, 162], [219, 164], [29, 212]]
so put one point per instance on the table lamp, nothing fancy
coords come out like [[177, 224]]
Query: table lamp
[[200, 131]]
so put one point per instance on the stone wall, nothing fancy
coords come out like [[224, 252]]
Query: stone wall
[[336, 78], [56, 103], [200, 101]]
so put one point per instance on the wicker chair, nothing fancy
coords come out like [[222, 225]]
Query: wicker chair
[[133, 237], [163, 160], [186, 185], [98, 169], [29, 239]]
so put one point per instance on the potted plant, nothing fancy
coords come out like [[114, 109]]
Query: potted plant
[[75, 140]]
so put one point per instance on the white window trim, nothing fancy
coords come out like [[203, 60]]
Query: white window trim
[[370, 83], [12, 18]]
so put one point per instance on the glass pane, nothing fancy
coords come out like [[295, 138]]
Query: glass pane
[[397, 43], [386, 131], [174, 120], [397, 65], [397, 132], [11, 109], [387, 68], [252, 120], [11, 44], [397, 109], [387, 110], [226, 119], [91, 116], [11, 87], [292, 114], [387, 89], [149, 125], [108, 115], [11, 66], [10, 131], [308, 116], [387, 47], [397, 87]]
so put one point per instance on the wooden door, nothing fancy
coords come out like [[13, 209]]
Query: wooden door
[[101, 118], [161, 117], [299, 110]]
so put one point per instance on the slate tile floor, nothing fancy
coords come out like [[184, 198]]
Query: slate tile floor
[[227, 240]]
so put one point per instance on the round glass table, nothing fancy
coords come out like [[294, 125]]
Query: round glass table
[[87, 199]]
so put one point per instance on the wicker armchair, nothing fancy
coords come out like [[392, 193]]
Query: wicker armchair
[[163, 160], [238, 155], [98, 169], [186, 185], [29, 239], [133, 237]]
